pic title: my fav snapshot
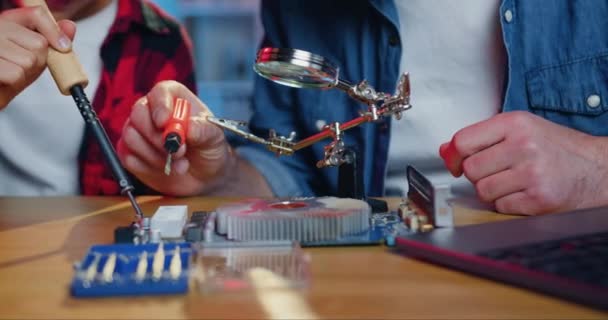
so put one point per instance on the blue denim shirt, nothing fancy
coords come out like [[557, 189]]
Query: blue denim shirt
[[557, 68]]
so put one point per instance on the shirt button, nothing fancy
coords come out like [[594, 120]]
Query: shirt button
[[393, 40], [593, 101], [508, 15]]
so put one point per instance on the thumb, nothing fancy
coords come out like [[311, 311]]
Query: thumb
[[68, 27]]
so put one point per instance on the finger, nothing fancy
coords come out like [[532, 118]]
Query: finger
[[181, 152], [204, 134], [19, 56], [123, 152], [479, 136], [489, 161], [162, 97], [131, 162], [31, 41], [139, 167], [141, 119], [499, 185], [470, 140], [140, 147], [519, 203], [12, 75], [40, 19], [35, 42], [180, 166], [511, 203], [68, 27]]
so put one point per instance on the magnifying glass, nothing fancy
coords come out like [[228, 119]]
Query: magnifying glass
[[298, 69], [301, 69]]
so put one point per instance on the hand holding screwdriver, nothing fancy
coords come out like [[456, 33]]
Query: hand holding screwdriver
[[206, 165], [175, 131], [201, 165]]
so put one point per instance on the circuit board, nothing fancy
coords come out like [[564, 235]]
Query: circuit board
[[383, 228]]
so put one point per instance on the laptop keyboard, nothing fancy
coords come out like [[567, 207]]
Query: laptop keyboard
[[583, 258]]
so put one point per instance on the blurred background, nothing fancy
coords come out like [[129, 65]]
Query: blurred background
[[225, 37]]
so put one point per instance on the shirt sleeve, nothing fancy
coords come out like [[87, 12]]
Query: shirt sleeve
[[275, 107]]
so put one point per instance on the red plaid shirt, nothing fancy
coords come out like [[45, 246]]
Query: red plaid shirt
[[143, 47]]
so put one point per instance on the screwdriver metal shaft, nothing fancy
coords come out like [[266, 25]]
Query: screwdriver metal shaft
[[168, 164]]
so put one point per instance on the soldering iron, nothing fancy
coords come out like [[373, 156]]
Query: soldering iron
[[71, 80]]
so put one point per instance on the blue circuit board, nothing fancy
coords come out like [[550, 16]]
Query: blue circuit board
[[384, 228]]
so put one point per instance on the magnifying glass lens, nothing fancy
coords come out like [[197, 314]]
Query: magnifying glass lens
[[295, 68]]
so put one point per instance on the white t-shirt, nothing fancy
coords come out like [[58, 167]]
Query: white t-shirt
[[41, 131], [454, 53]]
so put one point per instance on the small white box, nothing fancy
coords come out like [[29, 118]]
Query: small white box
[[170, 221]]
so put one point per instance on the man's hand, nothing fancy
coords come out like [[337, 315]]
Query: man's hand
[[528, 165], [25, 35], [200, 164]]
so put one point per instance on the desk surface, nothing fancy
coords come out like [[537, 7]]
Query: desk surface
[[41, 238]]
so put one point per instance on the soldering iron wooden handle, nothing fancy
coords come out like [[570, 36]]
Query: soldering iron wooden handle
[[65, 67]]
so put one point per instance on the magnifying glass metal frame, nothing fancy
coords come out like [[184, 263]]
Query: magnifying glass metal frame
[[302, 69], [298, 69]]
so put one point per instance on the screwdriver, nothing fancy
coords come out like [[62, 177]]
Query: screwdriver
[[71, 80], [176, 129]]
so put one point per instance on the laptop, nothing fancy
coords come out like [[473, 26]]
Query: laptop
[[562, 254]]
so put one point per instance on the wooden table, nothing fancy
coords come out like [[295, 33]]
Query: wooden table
[[41, 238]]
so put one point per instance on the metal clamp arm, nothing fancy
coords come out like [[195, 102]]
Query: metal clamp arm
[[277, 144]]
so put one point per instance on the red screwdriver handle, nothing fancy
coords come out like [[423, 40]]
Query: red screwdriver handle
[[177, 127]]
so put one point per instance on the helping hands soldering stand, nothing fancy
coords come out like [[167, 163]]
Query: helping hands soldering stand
[[71, 80], [301, 69]]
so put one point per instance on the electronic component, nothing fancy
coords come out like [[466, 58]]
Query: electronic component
[[415, 220], [195, 229], [91, 270], [169, 221], [427, 205], [158, 262], [306, 220], [142, 267], [325, 221], [108, 268], [126, 268], [176, 129], [175, 266]]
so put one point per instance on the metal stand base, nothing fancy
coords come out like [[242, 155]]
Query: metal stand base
[[350, 181]]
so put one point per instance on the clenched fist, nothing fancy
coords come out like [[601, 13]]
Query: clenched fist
[[528, 165]]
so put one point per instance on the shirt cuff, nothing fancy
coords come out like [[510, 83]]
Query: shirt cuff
[[277, 175]]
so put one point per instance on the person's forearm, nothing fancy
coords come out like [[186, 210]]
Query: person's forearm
[[242, 179]]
